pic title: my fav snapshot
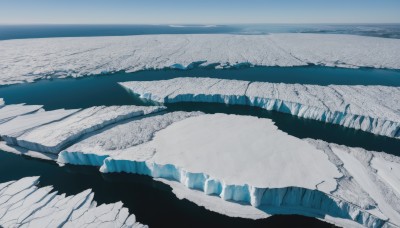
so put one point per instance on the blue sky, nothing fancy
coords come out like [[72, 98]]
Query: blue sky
[[198, 12]]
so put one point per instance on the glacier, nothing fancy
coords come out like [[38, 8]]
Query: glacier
[[24, 204], [27, 60], [372, 109]]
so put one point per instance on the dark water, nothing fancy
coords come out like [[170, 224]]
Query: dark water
[[153, 202], [41, 31]]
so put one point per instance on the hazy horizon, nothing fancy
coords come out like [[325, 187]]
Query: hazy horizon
[[200, 12]]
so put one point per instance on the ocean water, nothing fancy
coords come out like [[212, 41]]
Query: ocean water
[[41, 31]]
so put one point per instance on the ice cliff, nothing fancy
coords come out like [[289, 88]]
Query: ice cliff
[[27, 60], [24, 204], [368, 108]]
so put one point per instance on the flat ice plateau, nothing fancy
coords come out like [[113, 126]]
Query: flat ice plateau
[[23, 204], [373, 109], [27, 60]]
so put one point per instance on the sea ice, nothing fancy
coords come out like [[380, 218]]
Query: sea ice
[[369, 108], [26, 60], [23, 204]]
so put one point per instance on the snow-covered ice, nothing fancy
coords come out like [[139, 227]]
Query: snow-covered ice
[[23, 204], [369, 108], [4, 147], [9, 112], [55, 136], [14, 128], [27, 60], [119, 137], [278, 174]]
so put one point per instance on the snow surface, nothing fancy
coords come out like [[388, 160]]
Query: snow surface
[[363, 181], [369, 108], [9, 112], [23, 204], [119, 137], [389, 171], [14, 128], [55, 136], [26, 60]]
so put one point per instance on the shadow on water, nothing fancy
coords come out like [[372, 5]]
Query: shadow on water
[[152, 202]]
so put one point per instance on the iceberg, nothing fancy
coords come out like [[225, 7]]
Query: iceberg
[[119, 137], [277, 174], [27, 60], [372, 109], [55, 136], [24, 204]]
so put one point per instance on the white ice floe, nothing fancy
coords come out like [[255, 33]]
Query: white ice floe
[[119, 137], [9, 112], [27, 60], [369, 108], [247, 160], [55, 136], [23, 204]]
